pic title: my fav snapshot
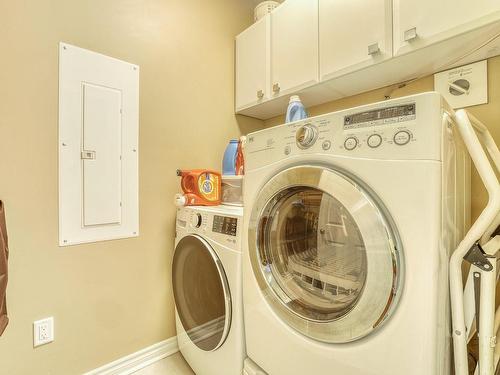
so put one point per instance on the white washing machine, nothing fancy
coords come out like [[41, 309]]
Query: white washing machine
[[351, 218], [206, 277]]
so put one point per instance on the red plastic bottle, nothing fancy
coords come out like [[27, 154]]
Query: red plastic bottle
[[240, 160]]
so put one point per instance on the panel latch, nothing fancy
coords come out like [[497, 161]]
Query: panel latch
[[88, 155]]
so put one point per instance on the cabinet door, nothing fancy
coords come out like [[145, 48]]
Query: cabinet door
[[252, 64], [353, 34], [424, 22], [294, 46]]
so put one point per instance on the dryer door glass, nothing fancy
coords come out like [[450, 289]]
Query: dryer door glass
[[327, 251], [316, 253], [201, 293]]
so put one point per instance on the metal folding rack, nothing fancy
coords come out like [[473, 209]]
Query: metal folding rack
[[473, 307]]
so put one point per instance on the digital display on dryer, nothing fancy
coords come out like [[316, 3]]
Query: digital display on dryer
[[381, 116], [225, 225]]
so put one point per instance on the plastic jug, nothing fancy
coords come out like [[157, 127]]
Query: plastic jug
[[201, 187], [296, 110], [229, 161]]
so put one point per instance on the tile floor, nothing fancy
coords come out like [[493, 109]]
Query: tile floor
[[172, 365]]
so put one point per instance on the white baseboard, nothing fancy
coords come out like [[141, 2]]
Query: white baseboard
[[135, 361]]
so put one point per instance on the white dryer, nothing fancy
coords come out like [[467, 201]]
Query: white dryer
[[351, 218], [206, 278]]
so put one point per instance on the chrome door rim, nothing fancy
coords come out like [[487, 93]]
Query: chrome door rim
[[225, 287], [384, 277]]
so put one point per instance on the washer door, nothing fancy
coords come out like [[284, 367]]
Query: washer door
[[325, 253], [201, 293]]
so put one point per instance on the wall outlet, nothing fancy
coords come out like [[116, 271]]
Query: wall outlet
[[43, 331]]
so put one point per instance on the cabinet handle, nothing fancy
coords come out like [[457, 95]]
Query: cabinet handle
[[260, 94], [410, 34], [373, 49], [276, 87]]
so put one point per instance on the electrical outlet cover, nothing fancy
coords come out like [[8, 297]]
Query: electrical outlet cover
[[43, 331], [464, 86]]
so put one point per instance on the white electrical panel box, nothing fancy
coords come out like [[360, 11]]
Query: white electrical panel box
[[98, 147]]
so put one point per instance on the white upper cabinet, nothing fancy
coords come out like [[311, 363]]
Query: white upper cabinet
[[294, 46], [353, 34], [424, 22], [324, 50], [252, 64]]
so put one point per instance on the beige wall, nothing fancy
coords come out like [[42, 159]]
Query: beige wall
[[487, 113], [112, 298]]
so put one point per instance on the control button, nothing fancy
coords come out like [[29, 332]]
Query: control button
[[196, 220], [287, 150], [402, 137], [306, 136], [374, 140], [350, 143], [326, 145]]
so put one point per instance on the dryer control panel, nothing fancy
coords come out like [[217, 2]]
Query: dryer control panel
[[409, 128], [225, 225], [219, 224]]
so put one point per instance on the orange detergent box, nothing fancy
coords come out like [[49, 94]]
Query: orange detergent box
[[201, 187]]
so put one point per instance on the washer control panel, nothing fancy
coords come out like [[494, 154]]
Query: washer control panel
[[380, 116], [400, 136], [378, 126], [387, 130]]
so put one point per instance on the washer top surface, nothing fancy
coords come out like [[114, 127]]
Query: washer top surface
[[230, 210]]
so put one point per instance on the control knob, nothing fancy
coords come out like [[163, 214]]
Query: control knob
[[374, 140], [350, 143], [306, 136], [402, 137], [196, 220]]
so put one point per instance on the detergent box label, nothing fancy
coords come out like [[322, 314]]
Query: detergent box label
[[208, 186]]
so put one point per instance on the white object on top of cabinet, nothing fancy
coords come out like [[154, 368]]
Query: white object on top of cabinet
[[252, 63], [353, 35], [294, 46], [420, 23]]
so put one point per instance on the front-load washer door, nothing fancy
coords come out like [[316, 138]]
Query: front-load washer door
[[325, 253], [201, 293]]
